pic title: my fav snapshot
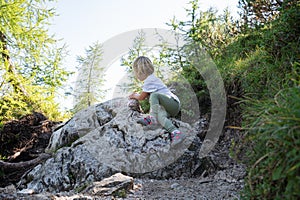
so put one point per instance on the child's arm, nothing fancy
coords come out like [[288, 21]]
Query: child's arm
[[139, 97]]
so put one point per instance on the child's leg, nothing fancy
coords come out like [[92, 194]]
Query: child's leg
[[171, 105], [162, 118], [162, 107]]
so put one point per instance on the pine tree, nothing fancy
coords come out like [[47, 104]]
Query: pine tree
[[29, 60], [90, 78]]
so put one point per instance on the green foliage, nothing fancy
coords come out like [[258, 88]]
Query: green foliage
[[258, 74], [258, 57], [90, 78], [29, 60], [275, 159], [260, 60], [120, 193], [264, 61], [82, 187], [207, 36], [2, 158]]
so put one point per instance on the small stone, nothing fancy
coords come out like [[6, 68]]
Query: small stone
[[26, 191], [111, 185], [11, 189], [175, 186]]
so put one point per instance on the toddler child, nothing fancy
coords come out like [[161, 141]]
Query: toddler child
[[163, 103]]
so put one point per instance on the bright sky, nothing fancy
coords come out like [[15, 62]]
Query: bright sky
[[81, 23]]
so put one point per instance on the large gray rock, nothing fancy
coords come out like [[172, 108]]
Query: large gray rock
[[105, 139]]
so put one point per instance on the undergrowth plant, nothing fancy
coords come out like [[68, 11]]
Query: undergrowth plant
[[274, 171]]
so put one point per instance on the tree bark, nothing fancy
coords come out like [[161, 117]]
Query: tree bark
[[11, 69]]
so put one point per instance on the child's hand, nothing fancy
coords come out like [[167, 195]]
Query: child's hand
[[139, 97], [133, 96]]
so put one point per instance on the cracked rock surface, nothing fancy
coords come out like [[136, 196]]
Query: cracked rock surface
[[105, 139]]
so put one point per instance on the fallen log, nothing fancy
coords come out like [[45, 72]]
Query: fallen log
[[7, 166]]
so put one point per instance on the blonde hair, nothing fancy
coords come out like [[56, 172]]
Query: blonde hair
[[142, 68]]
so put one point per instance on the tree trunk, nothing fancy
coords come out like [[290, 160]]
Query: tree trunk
[[11, 69], [20, 166]]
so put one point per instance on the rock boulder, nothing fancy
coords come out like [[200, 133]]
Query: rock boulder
[[105, 139]]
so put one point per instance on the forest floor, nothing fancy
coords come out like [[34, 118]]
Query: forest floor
[[225, 180]]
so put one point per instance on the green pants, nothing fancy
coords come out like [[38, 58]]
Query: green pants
[[162, 107]]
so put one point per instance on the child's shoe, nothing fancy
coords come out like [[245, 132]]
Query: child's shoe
[[177, 137], [149, 120]]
